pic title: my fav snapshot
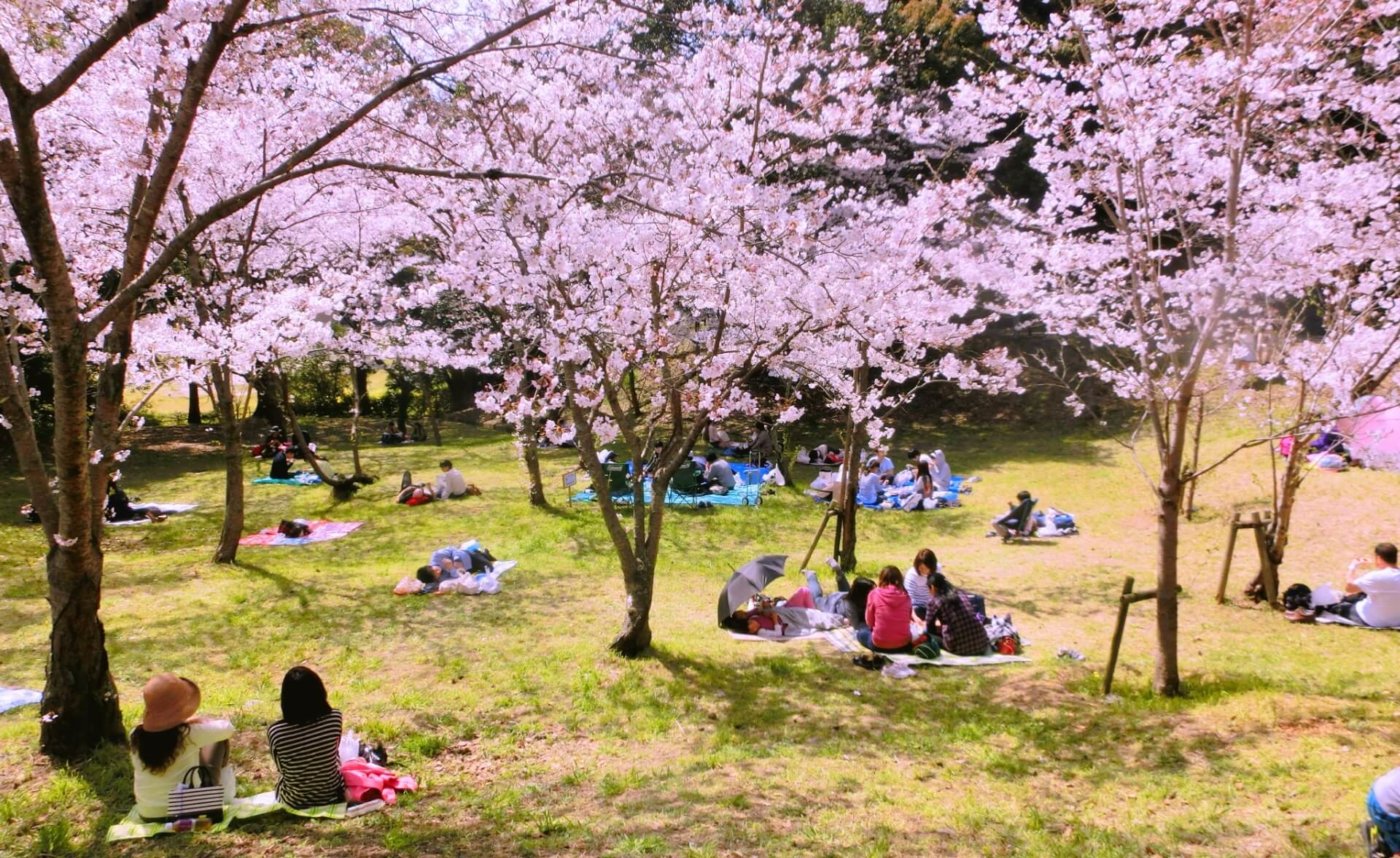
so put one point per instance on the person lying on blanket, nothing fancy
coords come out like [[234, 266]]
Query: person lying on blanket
[[1373, 591], [807, 610], [416, 494], [952, 619]]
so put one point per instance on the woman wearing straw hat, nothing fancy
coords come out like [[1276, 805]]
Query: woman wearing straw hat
[[170, 741]]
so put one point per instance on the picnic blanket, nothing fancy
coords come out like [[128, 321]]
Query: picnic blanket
[[1333, 620], [299, 478], [133, 827], [844, 640], [13, 698], [803, 636], [161, 508], [747, 495], [321, 531]]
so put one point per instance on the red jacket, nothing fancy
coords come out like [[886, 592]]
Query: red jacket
[[887, 612]]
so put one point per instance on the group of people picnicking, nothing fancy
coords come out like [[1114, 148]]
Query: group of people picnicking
[[279, 451], [173, 743], [395, 434], [917, 611]]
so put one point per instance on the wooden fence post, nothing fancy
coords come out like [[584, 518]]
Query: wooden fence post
[[1229, 553], [1117, 634]]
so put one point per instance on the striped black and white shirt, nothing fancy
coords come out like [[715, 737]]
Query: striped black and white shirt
[[308, 758]]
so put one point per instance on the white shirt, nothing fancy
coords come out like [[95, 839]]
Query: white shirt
[[1381, 607], [451, 483], [152, 790], [916, 586]]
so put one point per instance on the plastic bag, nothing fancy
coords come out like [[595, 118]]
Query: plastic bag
[[349, 746]]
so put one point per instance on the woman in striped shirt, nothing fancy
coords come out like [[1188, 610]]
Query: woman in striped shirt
[[306, 743]]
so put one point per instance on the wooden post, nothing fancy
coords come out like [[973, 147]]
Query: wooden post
[[1234, 526], [818, 538], [1127, 598], [1117, 634]]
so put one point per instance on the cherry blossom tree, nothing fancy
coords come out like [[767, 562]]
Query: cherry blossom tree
[[1205, 163], [697, 233], [107, 113]]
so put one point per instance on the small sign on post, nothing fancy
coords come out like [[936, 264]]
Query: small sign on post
[[570, 480]]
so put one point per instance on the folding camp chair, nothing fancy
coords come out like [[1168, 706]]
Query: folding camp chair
[[619, 487], [685, 484]]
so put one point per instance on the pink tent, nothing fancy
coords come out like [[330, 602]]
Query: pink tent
[[1373, 436]]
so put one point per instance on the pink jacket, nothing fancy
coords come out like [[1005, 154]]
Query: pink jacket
[[887, 612], [365, 781]]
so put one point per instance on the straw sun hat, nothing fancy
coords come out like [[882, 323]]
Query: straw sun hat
[[170, 701]]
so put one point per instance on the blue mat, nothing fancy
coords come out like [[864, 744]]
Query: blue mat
[[304, 478], [737, 496], [13, 698]]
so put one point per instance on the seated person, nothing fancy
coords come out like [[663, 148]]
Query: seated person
[[1010, 524], [274, 442], [119, 505], [29, 514], [306, 743], [916, 580], [761, 444], [871, 487], [1373, 591], [952, 619], [719, 476], [450, 483], [715, 434], [886, 469], [281, 469], [887, 613], [940, 472], [391, 435], [170, 741], [1383, 806]]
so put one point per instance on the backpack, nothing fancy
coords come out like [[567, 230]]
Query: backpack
[[1297, 597], [292, 529]]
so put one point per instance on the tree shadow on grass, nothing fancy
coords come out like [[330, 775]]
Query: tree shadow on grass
[[807, 699]]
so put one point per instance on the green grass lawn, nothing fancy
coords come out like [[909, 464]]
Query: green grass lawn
[[530, 739]]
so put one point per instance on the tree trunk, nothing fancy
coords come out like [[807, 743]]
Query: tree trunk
[[430, 405], [635, 637], [269, 407], [530, 451], [222, 394], [80, 708], [1167, 677], [194, 418], [359, 379]]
